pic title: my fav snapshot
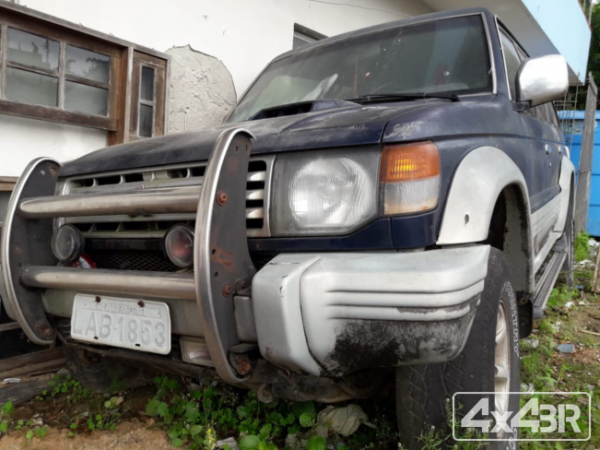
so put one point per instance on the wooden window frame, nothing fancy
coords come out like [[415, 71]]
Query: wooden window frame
[[120, 94], [141, 60], [143, 101]]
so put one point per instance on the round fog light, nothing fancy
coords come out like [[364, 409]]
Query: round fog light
[[67, 243], [179, 244]]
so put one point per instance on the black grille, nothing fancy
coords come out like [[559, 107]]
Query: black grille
[[152, 261]]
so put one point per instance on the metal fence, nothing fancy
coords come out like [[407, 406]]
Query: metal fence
[[572, 126]]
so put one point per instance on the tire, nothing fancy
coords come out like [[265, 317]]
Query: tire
[[102, 374], [422, 391]]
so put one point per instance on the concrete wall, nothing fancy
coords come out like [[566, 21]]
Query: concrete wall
[[22, 140], [244, 34]]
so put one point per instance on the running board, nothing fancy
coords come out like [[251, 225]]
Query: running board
[[544, 287]]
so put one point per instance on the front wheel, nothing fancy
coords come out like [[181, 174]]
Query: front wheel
[[488, 363]]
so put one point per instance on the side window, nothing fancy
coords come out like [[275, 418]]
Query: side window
[[541, 113], [512, 62], [552, 114]]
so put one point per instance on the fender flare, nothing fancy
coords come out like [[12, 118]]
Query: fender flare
[[477, 183]]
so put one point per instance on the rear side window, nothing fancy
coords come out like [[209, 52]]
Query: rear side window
[[552, 114], [512, 62]]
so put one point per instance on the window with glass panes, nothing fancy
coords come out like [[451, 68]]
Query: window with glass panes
[[46, 70], [53, 70]]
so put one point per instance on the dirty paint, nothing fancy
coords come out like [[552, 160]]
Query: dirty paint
[[364, 343]]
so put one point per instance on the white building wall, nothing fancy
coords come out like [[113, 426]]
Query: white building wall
[[22, 140], [244, 34]]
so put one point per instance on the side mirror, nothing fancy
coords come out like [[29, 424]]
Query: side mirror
[[540, 80]]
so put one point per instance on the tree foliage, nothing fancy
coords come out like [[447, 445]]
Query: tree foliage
[[594, 58]]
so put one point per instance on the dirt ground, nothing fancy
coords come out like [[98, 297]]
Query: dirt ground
[[130, 435]]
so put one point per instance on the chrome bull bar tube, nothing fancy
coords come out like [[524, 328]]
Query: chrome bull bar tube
[[221, 258], [25, 242], [134, 202], [131, 203], [155, 284]]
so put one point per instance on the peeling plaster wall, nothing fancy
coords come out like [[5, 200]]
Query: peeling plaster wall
[[201, 90]]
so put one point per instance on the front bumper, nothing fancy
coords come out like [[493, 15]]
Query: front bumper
[[337, 313]]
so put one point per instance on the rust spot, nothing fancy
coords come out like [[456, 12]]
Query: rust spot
[[242, 364], [98, 299], [18, 250], [226, 259], [141, 304], [43, 327], [53, 171], [221, 198], [237, 148], [227, 290]]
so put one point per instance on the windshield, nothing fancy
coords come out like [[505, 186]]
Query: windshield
[[442, 56]]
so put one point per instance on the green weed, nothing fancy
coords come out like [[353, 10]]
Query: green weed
[[5, 411], [561, 295], [74, 391], [582, 249]]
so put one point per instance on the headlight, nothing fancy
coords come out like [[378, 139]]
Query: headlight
[[328, 192]]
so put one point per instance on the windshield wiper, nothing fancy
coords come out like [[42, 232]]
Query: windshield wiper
[[382, 98]]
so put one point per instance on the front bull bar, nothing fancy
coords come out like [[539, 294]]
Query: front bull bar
[[223, 266]]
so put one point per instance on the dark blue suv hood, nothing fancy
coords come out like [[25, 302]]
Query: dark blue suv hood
[[332, 128]]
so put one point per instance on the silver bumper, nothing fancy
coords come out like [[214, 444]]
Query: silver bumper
[[337, 313]]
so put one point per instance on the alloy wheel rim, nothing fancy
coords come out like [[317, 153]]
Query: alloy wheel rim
[[502, 362]]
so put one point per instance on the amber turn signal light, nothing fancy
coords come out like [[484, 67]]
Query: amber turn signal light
[[410, 174], [410, 162]]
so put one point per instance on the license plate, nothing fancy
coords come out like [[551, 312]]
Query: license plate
[[119, 322]]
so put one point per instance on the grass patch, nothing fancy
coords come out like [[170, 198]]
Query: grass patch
[[582, 249], [544, 368], [196, 419]]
